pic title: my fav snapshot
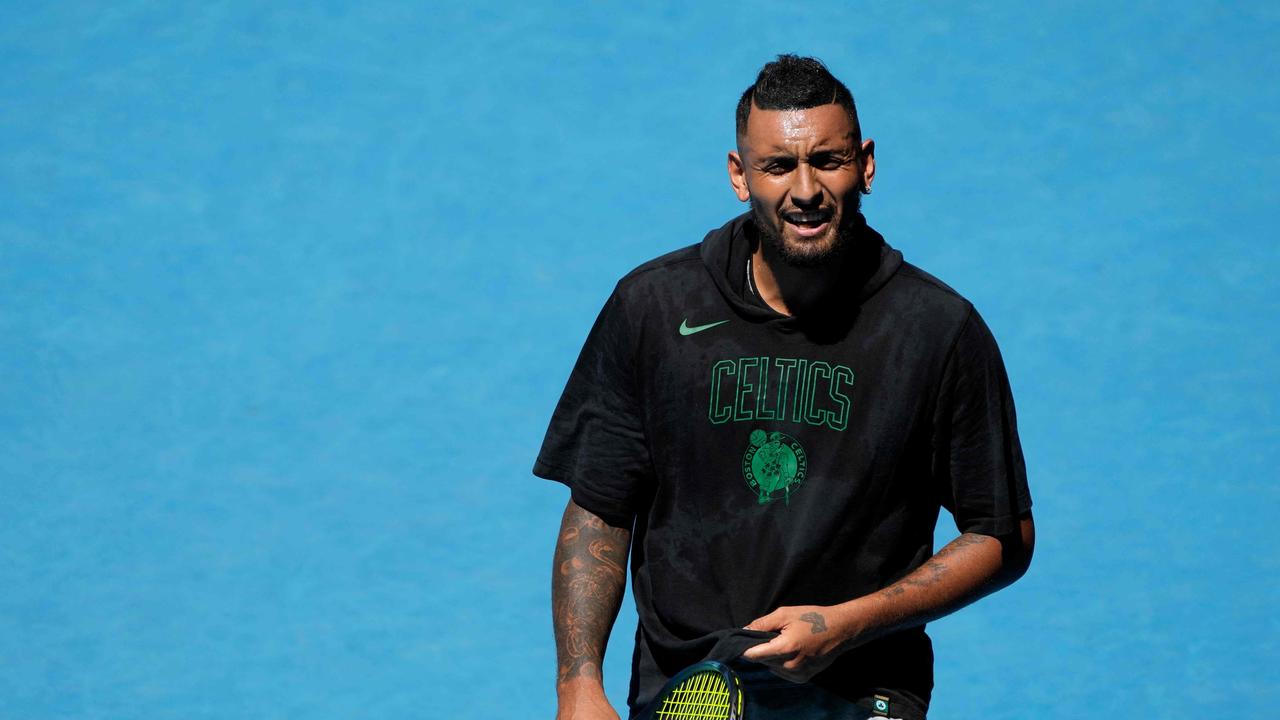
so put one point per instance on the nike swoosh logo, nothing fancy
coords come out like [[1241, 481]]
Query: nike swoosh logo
[[686, 330]]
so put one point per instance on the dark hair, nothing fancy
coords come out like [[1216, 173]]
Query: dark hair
[[796, 83]]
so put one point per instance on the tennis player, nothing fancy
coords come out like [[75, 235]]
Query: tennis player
[[769, 422]]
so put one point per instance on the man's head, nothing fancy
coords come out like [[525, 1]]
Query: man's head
[[795, 83], [801, 160]]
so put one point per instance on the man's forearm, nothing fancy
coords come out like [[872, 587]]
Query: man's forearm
[[810, 637], [966, 569], [586, 591]]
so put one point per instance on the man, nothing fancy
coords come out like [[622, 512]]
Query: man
[[769, 421]]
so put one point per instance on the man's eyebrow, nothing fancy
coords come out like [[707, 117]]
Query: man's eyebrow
[[774, 157], [776, 150], [820, 151], [834, 148]]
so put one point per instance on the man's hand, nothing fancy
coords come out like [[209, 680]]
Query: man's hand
[[807, 641]]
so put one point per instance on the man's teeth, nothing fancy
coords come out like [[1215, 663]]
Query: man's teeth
[[813, 219]]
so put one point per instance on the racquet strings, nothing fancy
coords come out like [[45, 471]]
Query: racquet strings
[[701, 695]]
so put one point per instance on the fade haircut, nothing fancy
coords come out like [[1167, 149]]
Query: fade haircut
[[796, 83]]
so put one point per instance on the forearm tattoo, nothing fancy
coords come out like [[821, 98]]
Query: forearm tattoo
[[932, 572], [815, 619], [586, 590]]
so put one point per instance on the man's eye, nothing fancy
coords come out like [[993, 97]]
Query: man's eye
[[777, 168]]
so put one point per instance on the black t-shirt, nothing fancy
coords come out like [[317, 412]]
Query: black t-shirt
[[764, 460]]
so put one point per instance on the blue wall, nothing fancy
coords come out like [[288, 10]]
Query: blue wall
[[287, 295]]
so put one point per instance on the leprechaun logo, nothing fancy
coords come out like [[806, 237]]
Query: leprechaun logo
[[774, 465]]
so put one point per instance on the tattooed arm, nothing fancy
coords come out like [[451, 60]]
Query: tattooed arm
[[586, 591], [968, 568]]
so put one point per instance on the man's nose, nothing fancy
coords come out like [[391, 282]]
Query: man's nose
[[806, 191]]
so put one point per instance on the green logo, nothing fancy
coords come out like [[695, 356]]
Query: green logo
[[774, 465], [686, 330], [882, 705]]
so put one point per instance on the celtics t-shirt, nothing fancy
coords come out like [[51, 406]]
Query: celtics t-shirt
[[763, 460]]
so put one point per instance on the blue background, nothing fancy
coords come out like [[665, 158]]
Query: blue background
[[288, 292]]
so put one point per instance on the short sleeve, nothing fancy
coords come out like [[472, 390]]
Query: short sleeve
[[595, 442], [978, 465]]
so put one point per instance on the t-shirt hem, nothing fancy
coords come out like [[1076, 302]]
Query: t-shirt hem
[[582, 498], [547, 471]]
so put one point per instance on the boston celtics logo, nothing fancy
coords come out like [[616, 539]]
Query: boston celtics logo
[[774, 465]]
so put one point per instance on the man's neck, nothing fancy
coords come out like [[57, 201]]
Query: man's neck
[[789, 289]]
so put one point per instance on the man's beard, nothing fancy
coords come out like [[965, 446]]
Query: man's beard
[[776, 246]]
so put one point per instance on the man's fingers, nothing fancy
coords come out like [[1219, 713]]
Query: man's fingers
[[765, 622], [776, 650], [763, 650], [777, 661]]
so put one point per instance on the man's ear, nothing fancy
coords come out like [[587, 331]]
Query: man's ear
[[738, 176], [868, 163]]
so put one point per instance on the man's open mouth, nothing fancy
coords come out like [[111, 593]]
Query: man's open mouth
[[808, 219], [809, 223]]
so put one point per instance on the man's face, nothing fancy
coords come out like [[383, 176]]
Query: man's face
[[803, 171]]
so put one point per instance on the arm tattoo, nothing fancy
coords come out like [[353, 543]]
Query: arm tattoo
[[935, 568], [965, 540], [586, 590], [815, 619]]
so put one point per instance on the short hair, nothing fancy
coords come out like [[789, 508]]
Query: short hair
[[796, 83]]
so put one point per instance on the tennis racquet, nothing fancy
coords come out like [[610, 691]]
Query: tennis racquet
[[708, 690]]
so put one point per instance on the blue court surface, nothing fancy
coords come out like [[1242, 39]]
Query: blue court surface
[[288, 292]]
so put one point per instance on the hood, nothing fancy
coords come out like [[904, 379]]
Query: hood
[[725, 250]]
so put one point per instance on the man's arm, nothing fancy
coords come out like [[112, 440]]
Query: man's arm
[[587, 583], [968, 568]]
